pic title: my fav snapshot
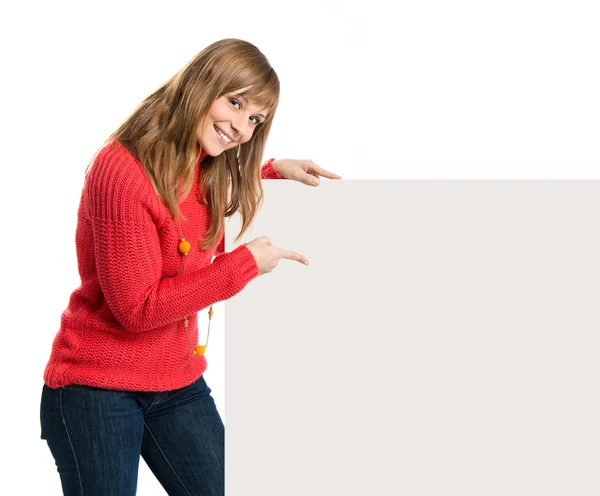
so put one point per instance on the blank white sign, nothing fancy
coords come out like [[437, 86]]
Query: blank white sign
[[443, 340]]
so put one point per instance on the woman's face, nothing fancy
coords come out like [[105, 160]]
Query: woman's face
[[230, 122]]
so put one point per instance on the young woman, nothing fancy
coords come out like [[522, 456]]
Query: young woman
[[124, 377]]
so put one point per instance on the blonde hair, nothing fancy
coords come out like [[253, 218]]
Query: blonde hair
[[162, 133]]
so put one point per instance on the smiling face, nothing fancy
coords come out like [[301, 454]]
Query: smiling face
[[231, 121]]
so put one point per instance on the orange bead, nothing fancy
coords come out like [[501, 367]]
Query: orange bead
[[199, 350], [184, 246]]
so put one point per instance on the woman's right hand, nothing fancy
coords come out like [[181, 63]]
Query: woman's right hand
[[267, 256]]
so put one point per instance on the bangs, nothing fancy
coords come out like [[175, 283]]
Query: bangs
[[264, 93]]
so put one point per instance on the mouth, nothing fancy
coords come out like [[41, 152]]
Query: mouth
[[222, 136]]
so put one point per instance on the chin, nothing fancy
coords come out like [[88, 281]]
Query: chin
[[212, 150]]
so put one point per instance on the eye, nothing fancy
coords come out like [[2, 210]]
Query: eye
[[256, 121]]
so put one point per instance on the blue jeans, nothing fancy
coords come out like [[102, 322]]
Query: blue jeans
[[97, 436]]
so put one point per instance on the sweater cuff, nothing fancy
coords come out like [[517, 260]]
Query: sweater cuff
[[269, 172], [248, 268]]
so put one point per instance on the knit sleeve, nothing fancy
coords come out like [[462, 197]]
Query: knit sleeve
[[128, 256], [269, 172]]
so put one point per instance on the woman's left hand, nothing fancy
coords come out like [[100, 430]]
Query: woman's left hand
[[305, 171]]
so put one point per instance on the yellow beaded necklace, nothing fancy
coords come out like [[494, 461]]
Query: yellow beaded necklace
[[184, 247]]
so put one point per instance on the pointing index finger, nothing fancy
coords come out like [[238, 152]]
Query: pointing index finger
[[292, 255], [327, 174]]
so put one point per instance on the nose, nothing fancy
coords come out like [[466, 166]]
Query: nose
[[241, 128]]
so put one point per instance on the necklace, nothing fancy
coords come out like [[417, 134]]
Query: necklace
[[184, 248]]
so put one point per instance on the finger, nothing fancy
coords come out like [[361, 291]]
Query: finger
[[292, 255], [310, 179], [325, 173], [307, 177]]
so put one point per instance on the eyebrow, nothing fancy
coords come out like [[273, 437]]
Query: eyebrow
[[247, 102]]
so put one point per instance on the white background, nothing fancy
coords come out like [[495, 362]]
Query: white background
[[372, 90]]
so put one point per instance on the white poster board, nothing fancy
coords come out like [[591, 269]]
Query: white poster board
[[443, 340]]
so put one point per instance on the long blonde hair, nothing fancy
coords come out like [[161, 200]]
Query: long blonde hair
[[162, 133]]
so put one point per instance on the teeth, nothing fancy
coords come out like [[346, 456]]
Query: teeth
[[220, 133]]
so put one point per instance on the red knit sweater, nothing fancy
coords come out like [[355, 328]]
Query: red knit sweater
[[124, 326]]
